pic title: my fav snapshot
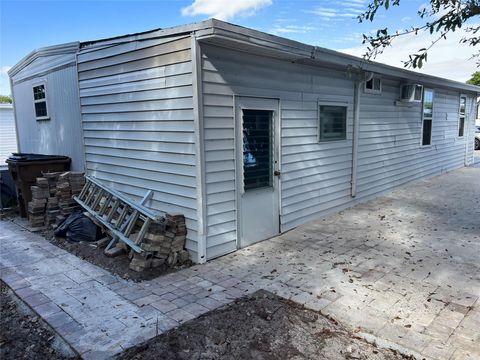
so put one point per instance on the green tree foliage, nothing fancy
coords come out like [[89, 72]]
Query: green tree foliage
[[5, 99], [440, 18], [475, 79]]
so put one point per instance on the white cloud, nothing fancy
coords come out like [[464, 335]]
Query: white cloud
[[345, 10], [293, 29], [354, 10], [224, 10], [359, 2], [4, 70], [324, 13], [447, 58], [4, 80]]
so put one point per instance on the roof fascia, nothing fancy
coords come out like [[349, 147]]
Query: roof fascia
[[66, 48]]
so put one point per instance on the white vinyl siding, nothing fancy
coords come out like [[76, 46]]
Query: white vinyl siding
[[316, 177], [137, 111], [8, 136], [61, 134], [325, 167]]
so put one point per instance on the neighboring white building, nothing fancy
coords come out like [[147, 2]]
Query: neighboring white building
[[249, 134], [47, 109], [8, 135]]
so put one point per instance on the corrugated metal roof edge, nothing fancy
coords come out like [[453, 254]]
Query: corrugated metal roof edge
[[214, 27], [256, 38], [323, 55], [71, 47]]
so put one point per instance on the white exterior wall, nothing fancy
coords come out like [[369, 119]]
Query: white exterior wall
[[389, 151], [61, 134], [8, 135], [316, 177], [138, 121]]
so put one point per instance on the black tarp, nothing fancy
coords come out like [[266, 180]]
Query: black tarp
[[77, 227]]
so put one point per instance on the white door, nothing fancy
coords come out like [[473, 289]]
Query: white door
[[257, 135]]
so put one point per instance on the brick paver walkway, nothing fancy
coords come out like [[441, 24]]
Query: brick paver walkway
[[403, 269]]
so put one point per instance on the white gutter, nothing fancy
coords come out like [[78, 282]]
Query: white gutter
[[356, 132]]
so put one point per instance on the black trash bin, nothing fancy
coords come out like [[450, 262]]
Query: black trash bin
[[25, 168]]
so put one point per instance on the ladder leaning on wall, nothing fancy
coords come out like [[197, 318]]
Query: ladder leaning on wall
[[127, 220]]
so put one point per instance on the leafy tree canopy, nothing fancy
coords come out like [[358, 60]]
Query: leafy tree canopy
[[440, 18], [5, 99], [475, 79]]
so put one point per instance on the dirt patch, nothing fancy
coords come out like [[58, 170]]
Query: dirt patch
[[24, 335], [118, 265], [260, 326]]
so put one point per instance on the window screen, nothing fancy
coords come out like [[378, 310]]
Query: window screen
[[41, 109], [333, 123], [257, 148], [39, 92], [427, 117]]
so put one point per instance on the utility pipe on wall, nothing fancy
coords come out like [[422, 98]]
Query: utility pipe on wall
[[356, 128]]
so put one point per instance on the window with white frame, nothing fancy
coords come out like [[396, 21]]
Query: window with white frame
[[461, 118], [40, 102], [427, 117], [373, 85], [332, 122]]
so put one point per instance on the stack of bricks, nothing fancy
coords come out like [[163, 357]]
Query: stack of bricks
[[52, 211], [164, 243], [52, 179], [64, 194], [77, 181], [52, 197], [36, 207]]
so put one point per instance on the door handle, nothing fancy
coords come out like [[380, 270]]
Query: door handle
[[276, 173]]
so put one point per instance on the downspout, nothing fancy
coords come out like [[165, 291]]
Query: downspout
[[199, 150], [356, 128], [15, 117], [469, 124], [80, 112]]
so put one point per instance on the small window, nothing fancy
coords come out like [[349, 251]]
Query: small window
[[333, 123], [40, 102], [427, 117], [411, 92], [461, 119], [374, 85], [257, 148]]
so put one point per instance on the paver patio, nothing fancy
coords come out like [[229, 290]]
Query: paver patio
[[403, 269]]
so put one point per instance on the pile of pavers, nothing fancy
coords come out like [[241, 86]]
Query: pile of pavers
[[36, 207], [164, 243], [69, 184], [52, 197]]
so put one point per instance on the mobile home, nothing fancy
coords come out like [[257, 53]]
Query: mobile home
[[47, 109], [249, 134]]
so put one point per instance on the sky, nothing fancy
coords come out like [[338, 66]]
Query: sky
[[28, 25]]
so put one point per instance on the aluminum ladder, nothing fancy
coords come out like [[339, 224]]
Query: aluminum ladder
[[116, 212]]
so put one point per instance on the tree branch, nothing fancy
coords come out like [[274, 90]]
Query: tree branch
[[454, 14]]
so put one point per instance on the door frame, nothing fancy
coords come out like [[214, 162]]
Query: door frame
[[238, 155]]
